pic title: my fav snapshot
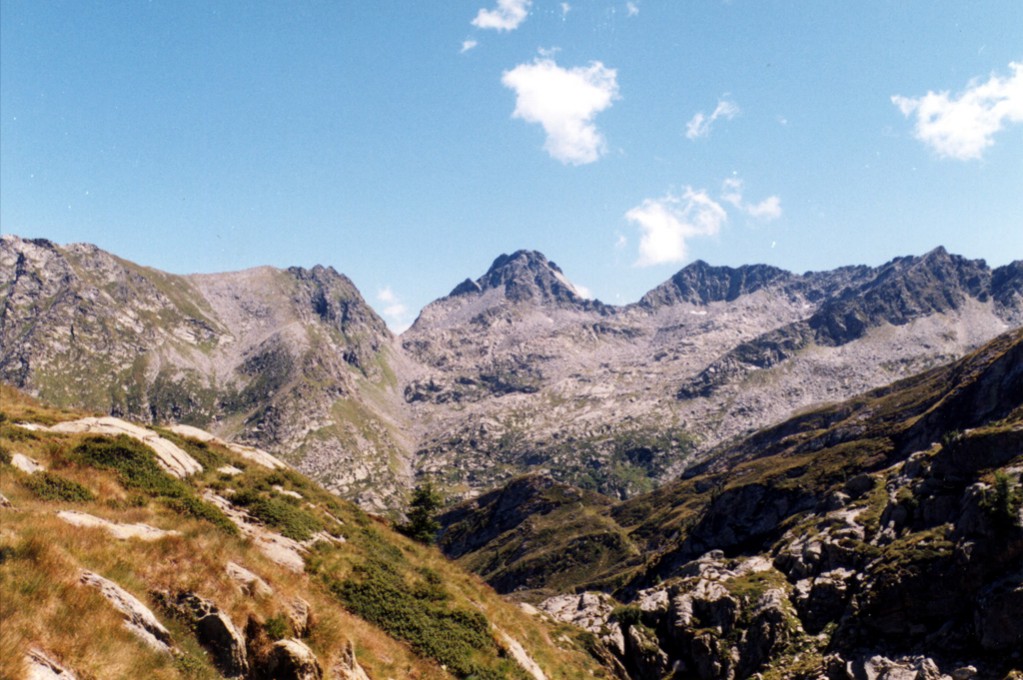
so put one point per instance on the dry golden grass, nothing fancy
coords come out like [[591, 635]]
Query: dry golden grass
[[43, 606]]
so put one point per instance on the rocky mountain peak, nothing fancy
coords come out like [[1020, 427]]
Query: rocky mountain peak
[[701, 283], [522, 276]]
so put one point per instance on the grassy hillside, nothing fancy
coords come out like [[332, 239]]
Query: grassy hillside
[[403, 608]]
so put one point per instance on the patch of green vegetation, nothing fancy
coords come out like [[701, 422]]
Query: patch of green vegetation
[[133, 461], [1003, 501], [52, 487], [136, 467], [913, 553], [5, 455], [193, 506], [279, 512], [277, 627], [749, 587], [12, 432], [183, 397], [459, 638]]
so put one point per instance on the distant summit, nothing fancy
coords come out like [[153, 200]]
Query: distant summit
[[523, 275], [701, 283]]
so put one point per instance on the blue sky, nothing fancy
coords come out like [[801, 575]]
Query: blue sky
[[407, 144]]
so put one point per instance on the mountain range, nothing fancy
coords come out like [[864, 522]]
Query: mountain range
[[513, 372]]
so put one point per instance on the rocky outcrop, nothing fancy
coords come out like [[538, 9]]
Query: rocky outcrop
[[138, 617], [250, 583], [291, 659], [118, 530], [169, 456], [25, 464], [347, 666], [213, 629], [41, 667]]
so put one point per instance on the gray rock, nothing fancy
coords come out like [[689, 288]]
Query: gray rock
[[822, 599], [213, 629], [645, 655], [997, 619], [250, 583], [347, 667], [301, 616], [291, 659], [41, 666], [139, 619]]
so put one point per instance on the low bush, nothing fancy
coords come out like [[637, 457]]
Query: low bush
[[133, 461], [282, 514], [381, 594], [51, 487], [200, 509]]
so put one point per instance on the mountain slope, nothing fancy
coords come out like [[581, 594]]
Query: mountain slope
[[518, 374], [884, 527], [292, 360], [116, 563]]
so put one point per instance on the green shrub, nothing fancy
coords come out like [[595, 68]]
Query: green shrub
[[134, 462], [380, 593], [277, 627], [200, 509], [280, 513], [1004, 500], [51, 487], [5, 455], [628, 615]]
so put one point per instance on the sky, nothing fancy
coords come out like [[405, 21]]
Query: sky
[[408, 144]]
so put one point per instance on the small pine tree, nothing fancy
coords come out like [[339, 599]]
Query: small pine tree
[[422, 524]]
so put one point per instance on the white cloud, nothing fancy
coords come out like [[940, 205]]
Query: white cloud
[[767, 209], [505, 17], [699, 125], [564, 102], [666, 224], [632, 9], [565, 9], [467, 45], [962, 127], [395, 312], [583, 291]]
